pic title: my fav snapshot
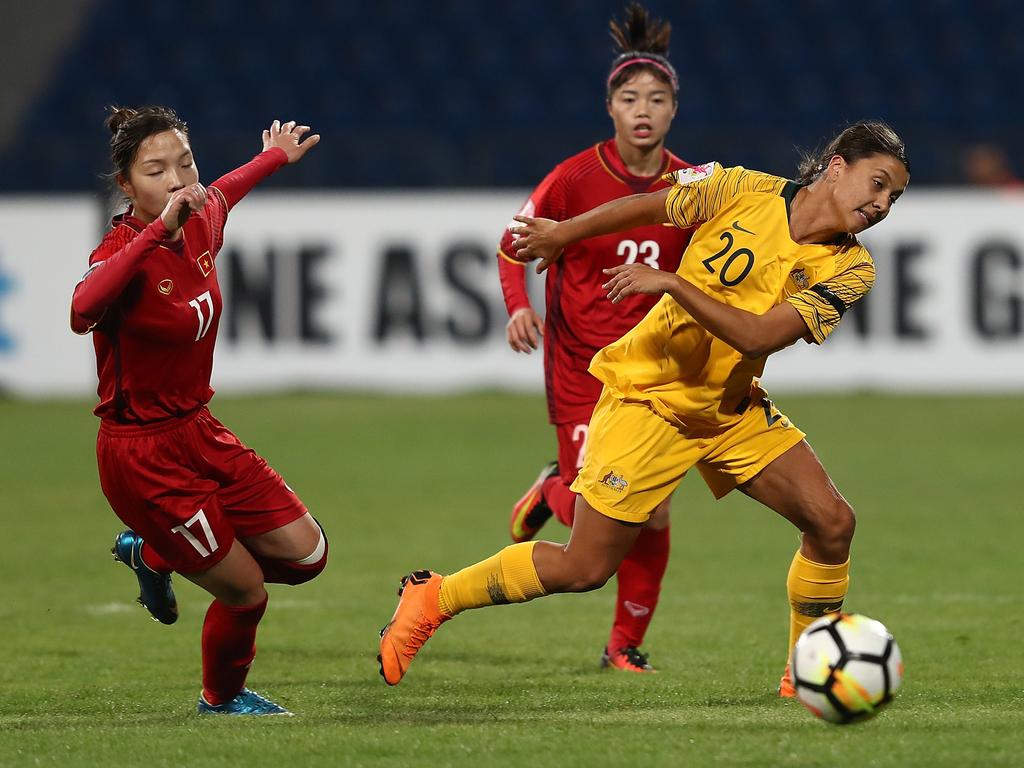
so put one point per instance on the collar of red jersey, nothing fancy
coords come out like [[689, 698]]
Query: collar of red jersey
[[130, 220], [609, 152]]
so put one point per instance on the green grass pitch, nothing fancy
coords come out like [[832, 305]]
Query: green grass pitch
[[403, 483]]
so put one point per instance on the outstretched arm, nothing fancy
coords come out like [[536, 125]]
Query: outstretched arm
[[750, 334], [544, 239], [282, 144]]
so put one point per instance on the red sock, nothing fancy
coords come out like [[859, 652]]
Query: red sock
[[639, 586], [153, 560], [229, 646], [560, 499]]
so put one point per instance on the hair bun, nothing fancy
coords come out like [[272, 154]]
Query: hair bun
[[638, 32], [118, 117]]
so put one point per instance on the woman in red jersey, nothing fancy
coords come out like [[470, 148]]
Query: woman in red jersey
[[642, 100], [196, 500]]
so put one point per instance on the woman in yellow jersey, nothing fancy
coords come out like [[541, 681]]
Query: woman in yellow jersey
[[772, 262]]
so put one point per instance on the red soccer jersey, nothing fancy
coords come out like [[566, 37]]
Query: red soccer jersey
[[579, 318], [154, 305]]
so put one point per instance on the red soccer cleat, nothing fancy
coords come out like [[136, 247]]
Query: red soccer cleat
[[531, 512], [628, 659]]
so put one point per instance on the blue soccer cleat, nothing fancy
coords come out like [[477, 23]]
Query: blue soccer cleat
[[245, 703], [155, 591]]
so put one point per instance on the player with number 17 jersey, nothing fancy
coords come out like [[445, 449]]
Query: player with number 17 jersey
[[195, 498], [153, 305], [154, 346]]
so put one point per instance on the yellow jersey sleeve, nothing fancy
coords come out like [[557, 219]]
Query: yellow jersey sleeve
[[698, 193], [823, 305]]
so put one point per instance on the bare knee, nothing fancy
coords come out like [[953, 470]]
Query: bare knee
[[841, 522], [593, 553], [589, 577], [241, 593], [831, 526], [294, 541], [659, 520], [563, 568], [235, 580]]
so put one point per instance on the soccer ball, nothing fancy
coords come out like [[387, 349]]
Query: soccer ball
[[846, 667]]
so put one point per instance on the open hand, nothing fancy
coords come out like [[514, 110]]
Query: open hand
[[288, 136], [536, 240], [632, 279]]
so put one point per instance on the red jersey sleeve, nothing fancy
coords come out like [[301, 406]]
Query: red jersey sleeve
[[547, 202], [513, 283], [226, 191], [109, 273], [238, 183]]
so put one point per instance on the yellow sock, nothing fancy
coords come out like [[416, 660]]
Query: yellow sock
[[815, 590], [507, 577]]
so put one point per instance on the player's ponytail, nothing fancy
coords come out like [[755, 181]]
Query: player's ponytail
[[870, 137], [129, 127], [642, 45]]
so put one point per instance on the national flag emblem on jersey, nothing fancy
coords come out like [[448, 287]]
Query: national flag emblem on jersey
[[205, 263], [614, 481], [696, 173]]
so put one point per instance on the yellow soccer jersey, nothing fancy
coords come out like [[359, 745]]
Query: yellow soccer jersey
[[743, 256]]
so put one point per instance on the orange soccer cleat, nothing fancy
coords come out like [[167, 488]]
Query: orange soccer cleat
[[628, 659], [531, 512], [416, 618], [786, 689]]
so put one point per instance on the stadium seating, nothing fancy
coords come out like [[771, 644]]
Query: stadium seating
[[458, 93]]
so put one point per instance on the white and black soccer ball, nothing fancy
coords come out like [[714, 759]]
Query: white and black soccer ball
[[846, 667]]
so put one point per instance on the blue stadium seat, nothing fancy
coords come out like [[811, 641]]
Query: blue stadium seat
[[476, 94]]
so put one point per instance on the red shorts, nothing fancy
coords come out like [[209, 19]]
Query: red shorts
[[190, 487], [572, 446]]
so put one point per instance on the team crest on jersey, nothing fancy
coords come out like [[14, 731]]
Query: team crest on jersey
[[800, 278], [205, 263], [698, 172], [614, 481], [165, 286]]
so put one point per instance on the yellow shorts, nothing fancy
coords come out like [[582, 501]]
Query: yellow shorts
[[635, 458]]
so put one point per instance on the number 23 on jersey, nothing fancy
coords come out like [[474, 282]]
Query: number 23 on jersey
[[646, 251]]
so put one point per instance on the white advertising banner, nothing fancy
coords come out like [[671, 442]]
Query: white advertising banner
[[399, 292], [45, 244]]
